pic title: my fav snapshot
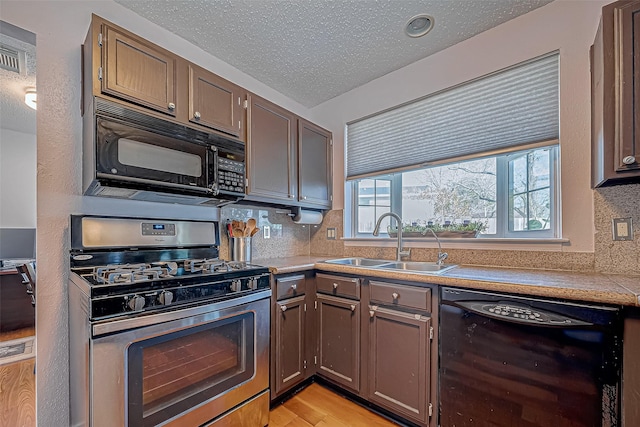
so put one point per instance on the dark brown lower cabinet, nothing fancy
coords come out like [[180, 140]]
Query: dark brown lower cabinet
[[290, 342], [399, 362], [293, 338], [339, 340]]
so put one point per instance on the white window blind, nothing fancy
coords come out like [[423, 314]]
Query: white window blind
[[506, 109]]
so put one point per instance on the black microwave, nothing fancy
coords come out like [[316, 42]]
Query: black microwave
[[128, 154]]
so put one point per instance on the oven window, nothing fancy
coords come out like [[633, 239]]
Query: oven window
[[170, 374], [142, 155]]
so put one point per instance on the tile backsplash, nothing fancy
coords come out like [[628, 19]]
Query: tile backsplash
[[621, 201], [286, 237]]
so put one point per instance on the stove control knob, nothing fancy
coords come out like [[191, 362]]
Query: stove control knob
[[136, 303], [253, 283], [165, 297], [236, 285]]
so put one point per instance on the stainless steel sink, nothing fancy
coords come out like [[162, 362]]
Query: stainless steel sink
[[359, 262], [421, 267], [381, 264]]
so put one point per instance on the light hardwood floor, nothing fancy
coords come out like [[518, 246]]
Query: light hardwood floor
[[320, 407], [17, 388]]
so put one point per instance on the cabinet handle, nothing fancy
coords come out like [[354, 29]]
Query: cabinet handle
[[353, 307], [196, 115], [629, 160], [283, 307], [335, 286], [294, 286], [372, 313], [395, 295], [304, 197], [171, 106]]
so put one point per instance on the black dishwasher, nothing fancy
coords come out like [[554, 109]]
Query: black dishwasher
[[509, 361]]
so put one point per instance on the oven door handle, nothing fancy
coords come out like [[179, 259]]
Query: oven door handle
[[109, 327]]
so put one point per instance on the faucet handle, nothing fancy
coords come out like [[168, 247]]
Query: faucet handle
[[406, 252], [441, 257]]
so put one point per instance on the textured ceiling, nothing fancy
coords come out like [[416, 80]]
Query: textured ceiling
[[14, 113], [314, 50]]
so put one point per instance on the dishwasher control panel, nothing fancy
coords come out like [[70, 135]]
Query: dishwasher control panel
[[521, 313]]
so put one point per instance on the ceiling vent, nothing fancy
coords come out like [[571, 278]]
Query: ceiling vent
[[11, 59]]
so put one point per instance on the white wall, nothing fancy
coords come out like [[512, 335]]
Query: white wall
[[17, 179], [565, 25], [60, 28]]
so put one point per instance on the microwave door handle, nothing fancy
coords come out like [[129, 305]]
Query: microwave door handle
[[152, 182]]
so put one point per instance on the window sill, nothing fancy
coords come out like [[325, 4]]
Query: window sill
[[550, 244]]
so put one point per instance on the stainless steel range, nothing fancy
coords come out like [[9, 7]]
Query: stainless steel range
[[163, 332]]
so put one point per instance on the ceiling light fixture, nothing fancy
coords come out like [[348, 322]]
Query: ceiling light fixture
[[30, 97], [419, 25]]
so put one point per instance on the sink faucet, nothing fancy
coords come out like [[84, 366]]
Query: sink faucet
[[441, 255], [399, 252]]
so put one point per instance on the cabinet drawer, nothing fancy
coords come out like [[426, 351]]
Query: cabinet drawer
[[398, 295], [292, 286], [340, 286]]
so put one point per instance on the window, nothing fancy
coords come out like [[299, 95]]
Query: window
[[510, 195], [483, 152], [374, 199]]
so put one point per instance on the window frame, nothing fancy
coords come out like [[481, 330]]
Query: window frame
[[502, 194], [395, 202]]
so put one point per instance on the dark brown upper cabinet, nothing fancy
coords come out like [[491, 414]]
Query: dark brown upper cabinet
[[215, 102], [132, 71], [288, 158], [615, 96], [271, 139], [137, 71], [314, 165]]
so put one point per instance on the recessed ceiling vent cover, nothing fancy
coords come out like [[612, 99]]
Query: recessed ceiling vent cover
[[11, 59]]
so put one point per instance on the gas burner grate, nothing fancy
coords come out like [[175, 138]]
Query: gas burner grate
[[214, 265], [129, 273]]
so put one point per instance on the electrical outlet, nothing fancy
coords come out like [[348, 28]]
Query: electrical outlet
[[331, 233], [266, 232], [622, 229]]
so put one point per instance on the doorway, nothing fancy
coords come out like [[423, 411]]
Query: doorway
[[17, 224]]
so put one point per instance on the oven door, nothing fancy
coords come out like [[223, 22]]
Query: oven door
[[184, 367], [145, 158]]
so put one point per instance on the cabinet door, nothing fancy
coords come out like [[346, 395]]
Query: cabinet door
[[215, 102], [399, 362], [615, 96], [270, 151], [138, 71], [628, 148], [339, 340], [314, 165], [290, 342]]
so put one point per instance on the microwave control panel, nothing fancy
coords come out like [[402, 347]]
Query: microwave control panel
[[230, 175]]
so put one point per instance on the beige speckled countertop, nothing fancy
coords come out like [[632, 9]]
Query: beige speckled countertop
[[593, 287]]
